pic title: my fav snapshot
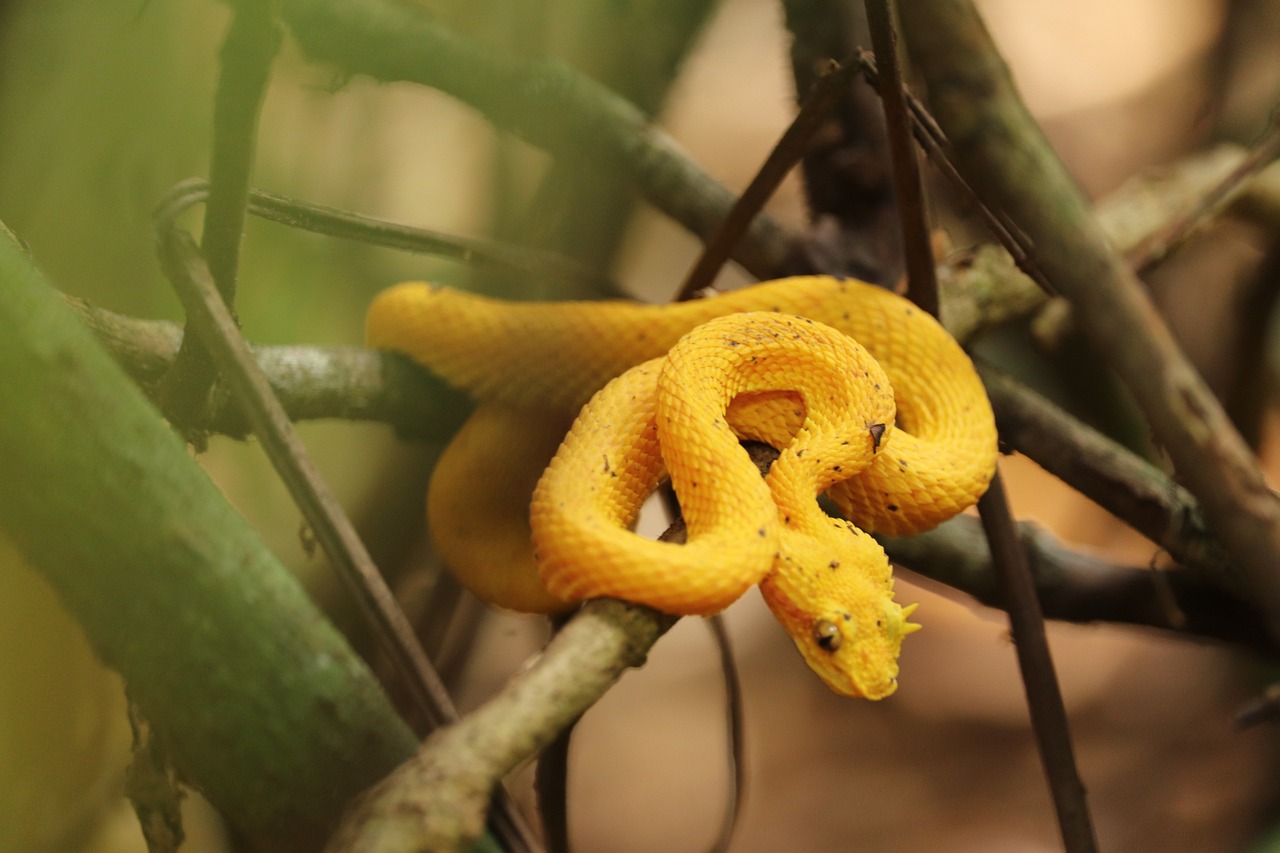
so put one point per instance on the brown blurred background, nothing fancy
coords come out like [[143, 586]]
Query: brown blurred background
[[103, 105]]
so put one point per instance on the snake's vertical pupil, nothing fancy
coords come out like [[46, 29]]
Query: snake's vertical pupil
[[826, 634]]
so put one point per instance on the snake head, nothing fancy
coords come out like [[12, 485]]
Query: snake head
[[857, 655], [844, 621]]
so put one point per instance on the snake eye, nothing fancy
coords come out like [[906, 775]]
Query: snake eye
[[827, 635]]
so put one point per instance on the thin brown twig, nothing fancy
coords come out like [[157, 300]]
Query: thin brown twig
[[788, 151], [218, 331], [1157, 246], [922, 277], [735, 726], [1044, 698], [212, 320], [934, 143], [1008, 559]]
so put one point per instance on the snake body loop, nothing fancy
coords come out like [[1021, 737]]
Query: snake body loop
[[776, 362]]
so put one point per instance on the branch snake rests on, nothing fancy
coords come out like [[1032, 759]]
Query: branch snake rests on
[[867, 398]]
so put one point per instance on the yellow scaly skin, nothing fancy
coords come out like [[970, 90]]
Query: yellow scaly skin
[[530, 366]]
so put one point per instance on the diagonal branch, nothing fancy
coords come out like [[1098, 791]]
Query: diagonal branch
[[542, 101], [1106, 472], [999, 148], [788, 151], [210, 318], [261, 702]]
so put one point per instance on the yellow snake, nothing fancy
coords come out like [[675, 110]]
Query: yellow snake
[[867, 397]]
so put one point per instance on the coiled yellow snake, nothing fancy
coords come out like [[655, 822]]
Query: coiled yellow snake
[[867, 397]]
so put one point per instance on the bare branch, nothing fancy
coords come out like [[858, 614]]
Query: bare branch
[[437, 800], [1075, 587], [1106, 472], [788, 151], [1002, 150], [542, 101]]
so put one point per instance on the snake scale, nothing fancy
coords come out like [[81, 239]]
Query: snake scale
[[588, 406]]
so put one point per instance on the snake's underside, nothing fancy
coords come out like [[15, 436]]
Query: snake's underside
[[868, 399]]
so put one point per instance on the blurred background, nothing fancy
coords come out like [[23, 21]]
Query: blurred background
[[104, 105]]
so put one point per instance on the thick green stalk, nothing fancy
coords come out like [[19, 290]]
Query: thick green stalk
[[263, 705]]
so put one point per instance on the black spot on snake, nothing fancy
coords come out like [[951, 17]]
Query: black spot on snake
[[877, 432], [892, 507]]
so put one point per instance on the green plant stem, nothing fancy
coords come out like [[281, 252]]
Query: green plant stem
[[248, 51], [263, 705], [542, 101]]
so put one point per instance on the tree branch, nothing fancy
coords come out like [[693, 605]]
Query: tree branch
[[263, 704], [312, 382], [1075, 587], [1107, 473], [542, 101], [437, 801], [1001, 149]]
